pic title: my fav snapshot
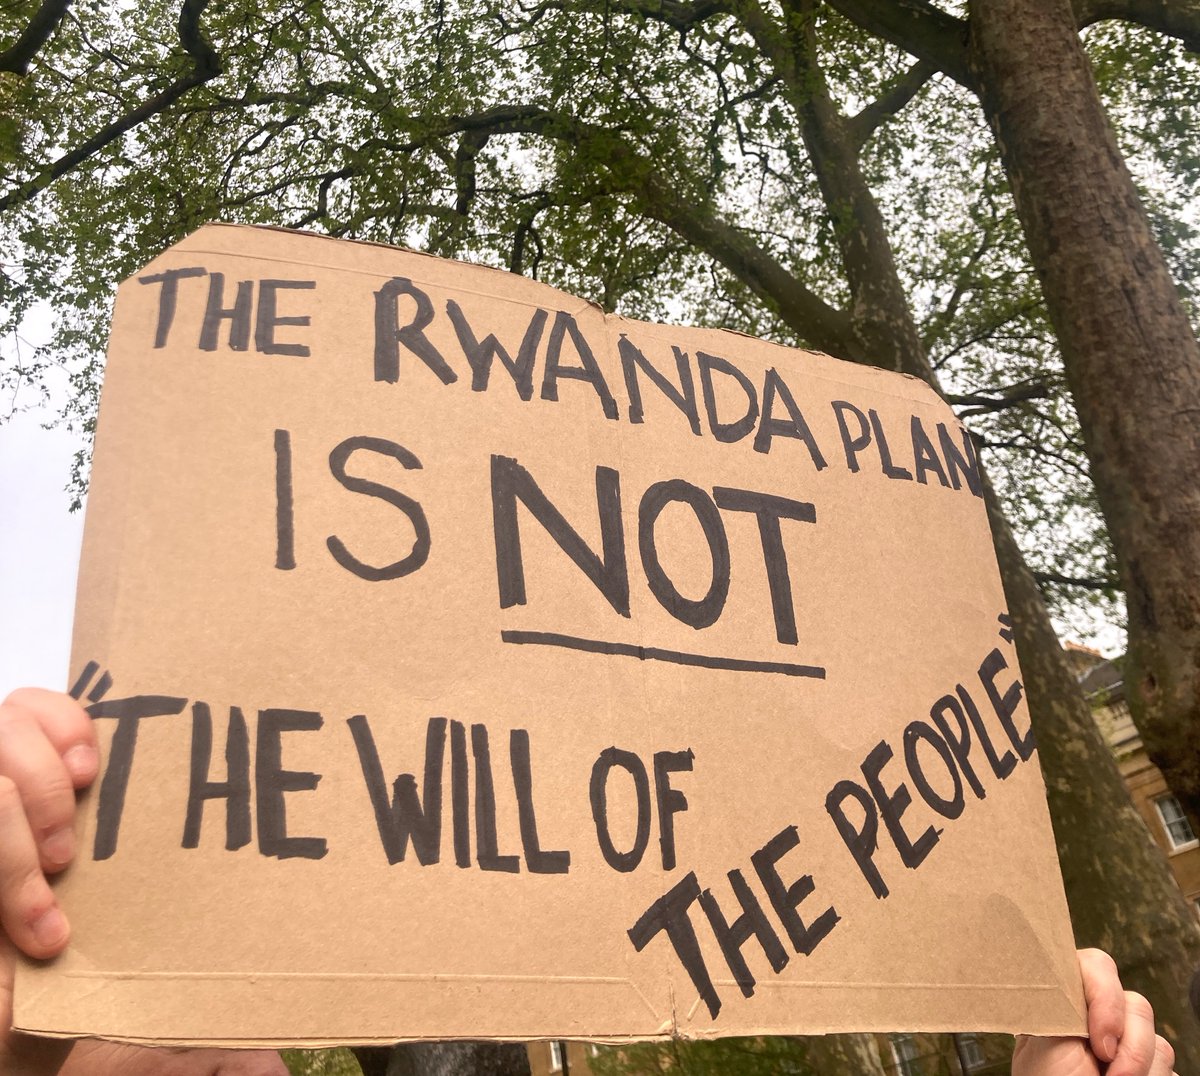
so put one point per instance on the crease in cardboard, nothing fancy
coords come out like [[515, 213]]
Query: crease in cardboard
[[355, 976]]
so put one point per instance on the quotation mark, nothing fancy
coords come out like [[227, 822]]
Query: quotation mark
[[99, 690]]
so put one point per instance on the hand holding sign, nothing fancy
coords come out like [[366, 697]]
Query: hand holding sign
[[47, 750], [1121, 1039]]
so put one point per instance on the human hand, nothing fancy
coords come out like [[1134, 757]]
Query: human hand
[[48, 752], [1121, 1040]]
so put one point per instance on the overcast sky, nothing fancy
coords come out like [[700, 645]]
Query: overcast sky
[[39, 552], [39, 538]]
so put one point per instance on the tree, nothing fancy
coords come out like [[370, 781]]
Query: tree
[[691, 148], [445, 1059], [1122, 328], [321, 1063], [202, 65]]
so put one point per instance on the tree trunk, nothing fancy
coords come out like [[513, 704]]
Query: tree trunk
[[1121, 893], [444, 1059], [1130, 355]]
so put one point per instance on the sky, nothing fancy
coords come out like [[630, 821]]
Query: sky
[[39, 552], [39, 536]]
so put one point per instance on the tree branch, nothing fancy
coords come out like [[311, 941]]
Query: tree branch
[[917, 27], [1175, 18], [979, 404], [628, 172], [681, 15], [206, 65], [822, 326], [18, 57], [982, 332], [887, 336], [1083, 583], [902, 90]]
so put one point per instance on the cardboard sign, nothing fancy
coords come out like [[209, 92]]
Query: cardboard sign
[[471, 664]]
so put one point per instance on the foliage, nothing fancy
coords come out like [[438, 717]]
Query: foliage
[[770, 1056], [321, 1063]]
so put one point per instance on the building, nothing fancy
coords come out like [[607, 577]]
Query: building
[[558, 1057], [900, 1054], [1103, 685]]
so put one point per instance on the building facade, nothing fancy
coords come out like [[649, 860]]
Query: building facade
[[1104, 686]]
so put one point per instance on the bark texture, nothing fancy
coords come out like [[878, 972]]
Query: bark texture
[[1129, 351], [1121, 894], [444, 1059]]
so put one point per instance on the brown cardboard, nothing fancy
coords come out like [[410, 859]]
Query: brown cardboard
[[213, 584]]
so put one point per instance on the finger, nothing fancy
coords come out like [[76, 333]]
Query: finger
[[1137, 1051], [67, 727], [92, 1056], [1105, 1002], [47, 794], [1164, 1058], [1064, 1056], [28, 911]]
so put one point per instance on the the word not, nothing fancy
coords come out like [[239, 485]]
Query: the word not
[[607, 569]]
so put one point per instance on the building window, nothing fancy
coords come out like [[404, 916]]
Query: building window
[[556, 1055], [971, 1053], [904, 1053], [1175, 822]]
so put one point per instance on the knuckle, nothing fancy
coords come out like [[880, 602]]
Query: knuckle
[[23, 707], [13, 714], [51, 802], [10, 795], [1137, 1005], [55, 709], [26, 891], [1164, 1051], [1099, 957], [32, 884]]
